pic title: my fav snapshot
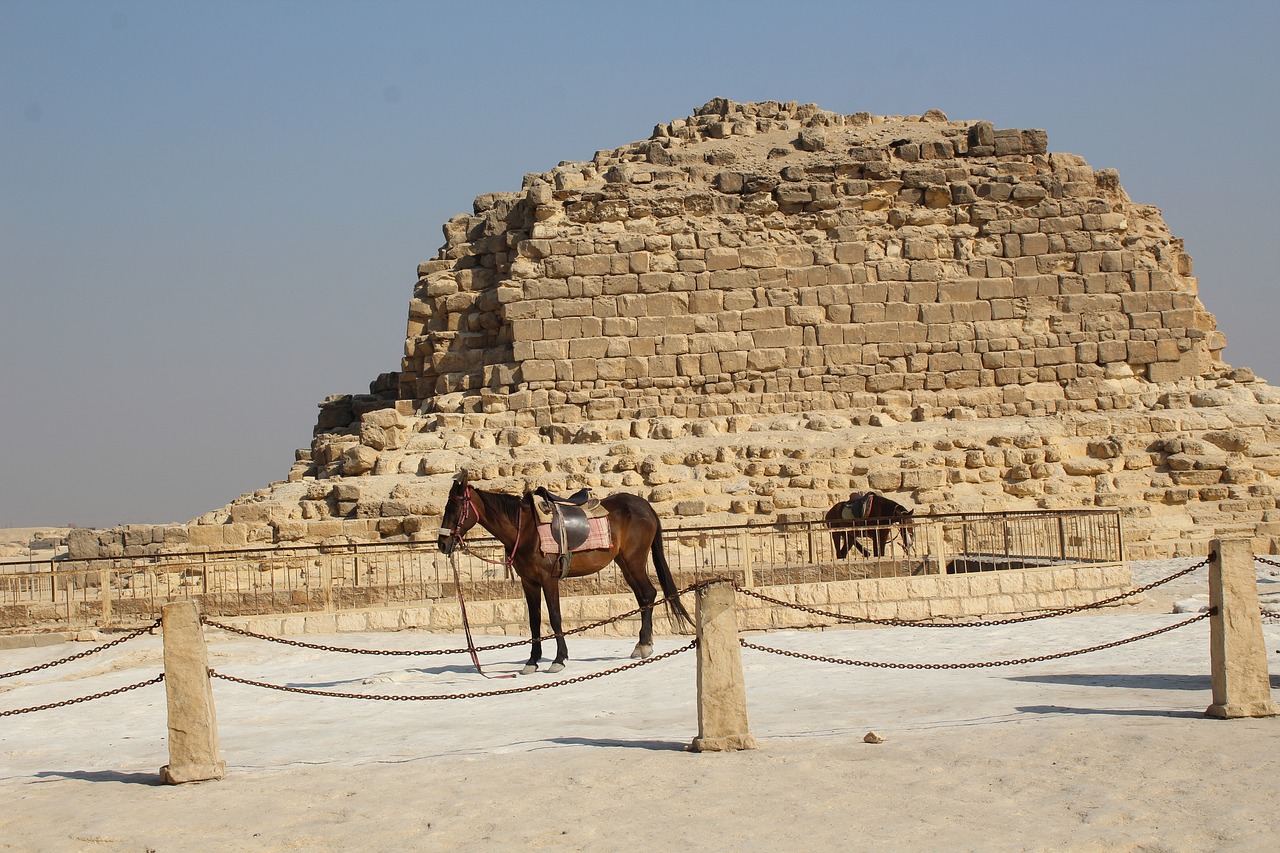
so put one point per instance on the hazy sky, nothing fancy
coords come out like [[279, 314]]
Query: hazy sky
[[211, 214]]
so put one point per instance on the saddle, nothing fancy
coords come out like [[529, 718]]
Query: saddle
[[567, 524], [858, 507]]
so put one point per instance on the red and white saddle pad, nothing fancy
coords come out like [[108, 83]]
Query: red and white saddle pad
[[598, 537]]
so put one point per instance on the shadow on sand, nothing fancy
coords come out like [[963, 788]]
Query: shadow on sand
[[1111, 712], [1130, 681], [1134, 681], [152, 779], [657, 745]]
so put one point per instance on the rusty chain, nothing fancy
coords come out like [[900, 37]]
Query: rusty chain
[[911, 623], [527, 689], [86, 653], [412, 652], [66, 702], [979, 664], [1273, 614]]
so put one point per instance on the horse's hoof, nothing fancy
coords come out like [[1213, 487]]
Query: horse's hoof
[[529, 669], [641, 652], [555, 667]]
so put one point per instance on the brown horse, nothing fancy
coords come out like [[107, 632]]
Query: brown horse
[[871, 515], [634, 532]]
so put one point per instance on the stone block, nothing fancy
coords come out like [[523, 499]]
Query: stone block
[[722, 259], [206, 536], [885, 481]]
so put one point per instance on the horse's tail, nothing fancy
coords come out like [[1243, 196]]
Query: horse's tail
[[680, 617]]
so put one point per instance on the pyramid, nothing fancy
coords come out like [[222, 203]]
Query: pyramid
[[765, 306]]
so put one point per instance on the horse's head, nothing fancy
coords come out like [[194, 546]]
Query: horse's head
[[459, 515], [907, 525]]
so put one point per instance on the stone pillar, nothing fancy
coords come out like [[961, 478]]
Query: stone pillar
[[194, 754], [722, 693], [1241, 683]]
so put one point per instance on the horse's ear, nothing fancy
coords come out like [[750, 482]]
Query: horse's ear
[[461, 478]]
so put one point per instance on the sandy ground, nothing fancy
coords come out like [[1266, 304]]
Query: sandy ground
[[1108, 751]]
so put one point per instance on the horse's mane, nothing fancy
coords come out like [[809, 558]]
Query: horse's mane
[[506, 505]]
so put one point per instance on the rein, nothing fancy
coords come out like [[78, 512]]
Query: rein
[[457, 580], [466, 627]]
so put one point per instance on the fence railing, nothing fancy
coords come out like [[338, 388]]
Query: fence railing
[[283, 580]]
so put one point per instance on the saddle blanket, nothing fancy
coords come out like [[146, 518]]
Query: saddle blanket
[[598, 537]]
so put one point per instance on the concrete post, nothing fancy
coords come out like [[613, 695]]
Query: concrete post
[[722, 693], [194, 754], [1241, 683]]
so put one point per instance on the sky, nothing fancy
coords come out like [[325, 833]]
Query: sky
[[211, 213]]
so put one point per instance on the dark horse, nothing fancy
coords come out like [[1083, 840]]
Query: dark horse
[[634, 531], [871, 515]]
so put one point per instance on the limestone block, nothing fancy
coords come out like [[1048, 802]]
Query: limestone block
[[928, 478], [194, 751], [723, 259], [1241, 685], [206, 536]]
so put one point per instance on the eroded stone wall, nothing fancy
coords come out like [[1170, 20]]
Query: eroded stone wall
[[766, 259]]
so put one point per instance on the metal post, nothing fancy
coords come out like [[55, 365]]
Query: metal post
[[1241, 682], [104, 584], [194, 754], [326, 583], [722, 693], [937, 554]]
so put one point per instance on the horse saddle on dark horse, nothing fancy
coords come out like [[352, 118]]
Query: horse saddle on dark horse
[[858, 507], [570, 522]]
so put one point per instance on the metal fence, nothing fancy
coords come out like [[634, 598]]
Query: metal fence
[[282, 580]]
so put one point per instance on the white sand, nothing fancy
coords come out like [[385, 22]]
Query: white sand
[[1107, 751]]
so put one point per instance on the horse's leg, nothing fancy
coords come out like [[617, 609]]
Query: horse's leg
[[551, 591], [840, 540], [633, 570], [878, 541], [533, 602]]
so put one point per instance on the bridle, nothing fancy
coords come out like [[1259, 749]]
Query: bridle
[[906, 527], [460, 543], [462, 519]]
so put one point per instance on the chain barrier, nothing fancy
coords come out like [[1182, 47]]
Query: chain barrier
[[527, 689], [84, 654], [411, 652], [66, 702], [1268, 614], [912, 623], [979, 664]]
